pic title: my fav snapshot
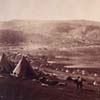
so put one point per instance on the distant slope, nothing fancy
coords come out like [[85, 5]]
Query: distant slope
[[57, 33]]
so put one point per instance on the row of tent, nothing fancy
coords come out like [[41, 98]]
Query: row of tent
[[22, 70]]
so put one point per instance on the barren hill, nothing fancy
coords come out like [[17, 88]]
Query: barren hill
[[56, 33]]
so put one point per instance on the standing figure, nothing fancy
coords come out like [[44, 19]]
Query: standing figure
[[79, 82]]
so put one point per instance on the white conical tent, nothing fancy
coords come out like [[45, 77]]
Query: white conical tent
[[5, 65], [17, 69], [24, 70]]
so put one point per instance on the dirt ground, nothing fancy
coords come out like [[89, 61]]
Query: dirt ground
[[16, 89]]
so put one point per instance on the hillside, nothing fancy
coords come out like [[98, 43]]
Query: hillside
[[56, 33]]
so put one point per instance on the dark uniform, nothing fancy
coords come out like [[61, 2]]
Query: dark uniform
[[79, 83]]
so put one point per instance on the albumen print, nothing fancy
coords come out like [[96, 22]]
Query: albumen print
[[49, 49]]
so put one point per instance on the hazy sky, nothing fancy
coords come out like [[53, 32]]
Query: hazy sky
[[50, 9]]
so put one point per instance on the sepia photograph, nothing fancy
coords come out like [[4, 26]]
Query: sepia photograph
[[49, 49]]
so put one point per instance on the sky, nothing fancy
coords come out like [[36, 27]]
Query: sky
[[50, 9]]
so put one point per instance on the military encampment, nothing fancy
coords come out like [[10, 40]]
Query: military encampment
[[42, 77], [49, 49]]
